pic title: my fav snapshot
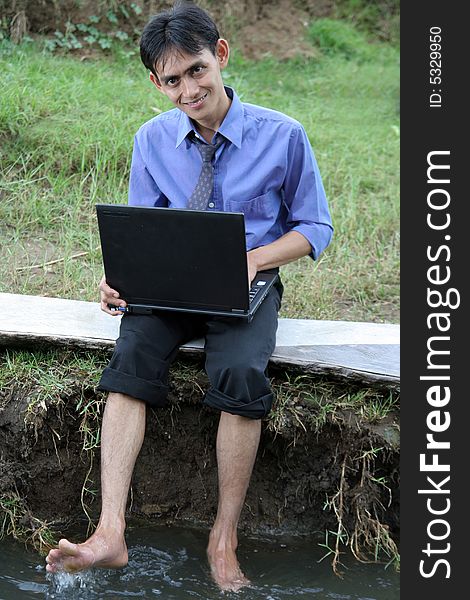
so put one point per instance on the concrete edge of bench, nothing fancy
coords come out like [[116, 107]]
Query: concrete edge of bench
[[367, 353]]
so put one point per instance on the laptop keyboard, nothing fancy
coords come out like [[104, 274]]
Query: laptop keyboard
[[253, 292], [257, 287]]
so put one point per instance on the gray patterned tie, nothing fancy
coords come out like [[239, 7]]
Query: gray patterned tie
[[204, 187]]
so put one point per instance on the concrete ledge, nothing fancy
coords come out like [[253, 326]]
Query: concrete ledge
[[364, 352]]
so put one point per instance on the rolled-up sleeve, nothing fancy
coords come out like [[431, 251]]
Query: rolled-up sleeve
[[143, 191], [304, 194]]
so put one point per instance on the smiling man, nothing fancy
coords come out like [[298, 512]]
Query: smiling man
[[211, 152], [194, 85]]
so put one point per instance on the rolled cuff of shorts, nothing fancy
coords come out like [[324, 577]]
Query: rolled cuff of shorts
[[153, 393], [256, 409]]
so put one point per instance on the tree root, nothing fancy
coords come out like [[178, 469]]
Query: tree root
[[358, 510]]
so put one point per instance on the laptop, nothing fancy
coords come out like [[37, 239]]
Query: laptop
[[179, 260]]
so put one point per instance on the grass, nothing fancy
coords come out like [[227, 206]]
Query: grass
[[309, 402], [305, 401], [54, 372], [66, 131], [16, 521]]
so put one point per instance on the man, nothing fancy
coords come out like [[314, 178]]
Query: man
[[261, 164]]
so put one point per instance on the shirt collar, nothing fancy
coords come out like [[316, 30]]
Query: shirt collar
[[231, 127]]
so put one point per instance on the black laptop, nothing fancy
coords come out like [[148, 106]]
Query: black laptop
[[179, 259]]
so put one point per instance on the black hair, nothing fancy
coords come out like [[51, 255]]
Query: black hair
[[185, 27]]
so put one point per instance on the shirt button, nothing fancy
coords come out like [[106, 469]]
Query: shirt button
[[211, 205]]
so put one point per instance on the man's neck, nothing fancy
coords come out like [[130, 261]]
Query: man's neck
[[208, 129], [206, 132]]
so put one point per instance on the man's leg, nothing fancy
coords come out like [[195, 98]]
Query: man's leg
[[139, 367], [237, 357], [237, 444], [121, 439]]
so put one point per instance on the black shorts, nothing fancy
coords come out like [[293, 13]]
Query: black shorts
[[237, 355]]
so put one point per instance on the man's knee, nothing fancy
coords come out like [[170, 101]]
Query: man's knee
[[240, 389], [118, 398], [136, 371], [249, 379]]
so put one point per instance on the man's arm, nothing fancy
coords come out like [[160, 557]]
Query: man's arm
[[143, 189], [309, 219], [286, 249], [304, 195]]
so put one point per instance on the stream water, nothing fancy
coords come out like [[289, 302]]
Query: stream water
[[169, 563]]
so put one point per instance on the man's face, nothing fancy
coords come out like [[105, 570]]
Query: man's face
[[193, 82]]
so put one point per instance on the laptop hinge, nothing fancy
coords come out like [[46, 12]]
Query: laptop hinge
[[238, 310]]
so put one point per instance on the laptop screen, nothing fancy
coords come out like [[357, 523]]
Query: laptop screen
[[175, 257]]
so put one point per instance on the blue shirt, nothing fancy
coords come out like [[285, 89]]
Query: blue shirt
[[266, 169]]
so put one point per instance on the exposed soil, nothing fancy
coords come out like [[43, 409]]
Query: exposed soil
[[257, 27], [43, 465]]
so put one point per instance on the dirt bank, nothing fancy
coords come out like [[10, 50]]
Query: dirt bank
[[328, 459], [258, 28]]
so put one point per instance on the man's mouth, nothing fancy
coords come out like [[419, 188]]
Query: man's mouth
[[196, 102]]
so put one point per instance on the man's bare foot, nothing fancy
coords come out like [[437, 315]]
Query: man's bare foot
[[224, 566], [108, 552]]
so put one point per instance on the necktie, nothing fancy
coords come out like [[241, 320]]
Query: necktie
[[203, 190]]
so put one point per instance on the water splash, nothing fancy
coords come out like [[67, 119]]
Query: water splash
[[146, 564], [71, 585]]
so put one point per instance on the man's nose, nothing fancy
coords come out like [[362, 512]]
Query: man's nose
[[190, 87]]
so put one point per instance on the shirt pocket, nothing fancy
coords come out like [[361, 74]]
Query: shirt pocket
[[265, 206]]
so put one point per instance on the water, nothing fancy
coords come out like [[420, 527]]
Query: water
[[170, 564]]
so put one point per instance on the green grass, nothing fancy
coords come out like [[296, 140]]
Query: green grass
[[333, 36], [310, 402], [53, 372], [66, 132]]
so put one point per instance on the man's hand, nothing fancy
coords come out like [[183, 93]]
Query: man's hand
[[291, 246], [252, 267], [110, 296]]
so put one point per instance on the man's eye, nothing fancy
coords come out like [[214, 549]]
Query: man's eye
[[171, 81], [198, 70]]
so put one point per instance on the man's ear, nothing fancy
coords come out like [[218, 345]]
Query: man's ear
[[222, 52], [156, 82]]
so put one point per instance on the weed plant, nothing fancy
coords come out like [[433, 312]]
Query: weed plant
[[66, 133]]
